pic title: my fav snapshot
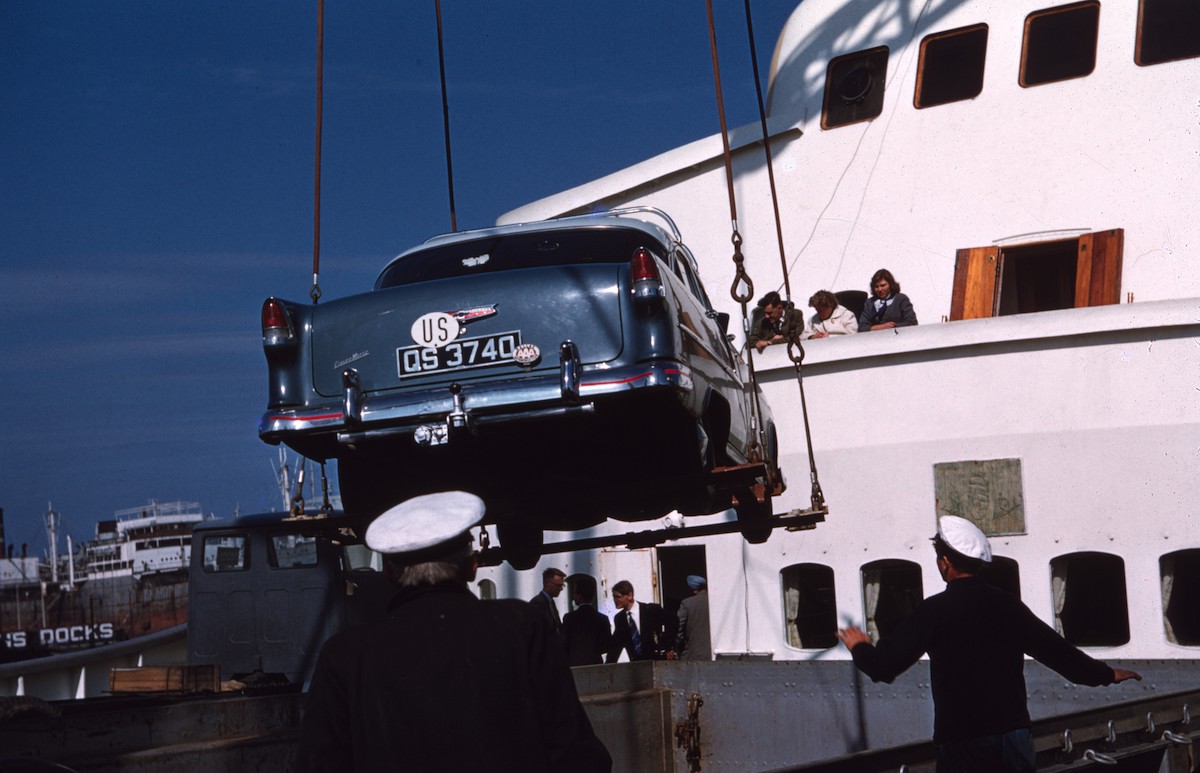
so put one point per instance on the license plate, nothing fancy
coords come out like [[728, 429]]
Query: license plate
[[458, 354]]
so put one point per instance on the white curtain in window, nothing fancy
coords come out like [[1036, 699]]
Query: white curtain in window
[[791, 603], [871, 581], [1058, 586], [1167, 569]]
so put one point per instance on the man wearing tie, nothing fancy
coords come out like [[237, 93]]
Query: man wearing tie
[[642, 630], [552, 585]]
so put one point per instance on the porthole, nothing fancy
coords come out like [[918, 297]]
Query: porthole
[[854, 86]]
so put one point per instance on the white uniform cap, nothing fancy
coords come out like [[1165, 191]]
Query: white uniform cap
[[433, 523], [964, 537]]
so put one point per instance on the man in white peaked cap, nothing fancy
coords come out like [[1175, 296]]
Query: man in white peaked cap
[[445, 681], [976, 637]]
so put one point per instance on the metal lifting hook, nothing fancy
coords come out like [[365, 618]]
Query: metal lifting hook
[[298, 500], [740, 277]]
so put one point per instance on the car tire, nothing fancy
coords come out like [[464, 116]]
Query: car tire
[[359, 483], [752, 516], [521, 541]]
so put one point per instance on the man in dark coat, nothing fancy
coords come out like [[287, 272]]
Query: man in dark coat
[[586, 631], [976, 637], [692, 641], [553, 581], [775, 323], [645, 631], [445, 682]]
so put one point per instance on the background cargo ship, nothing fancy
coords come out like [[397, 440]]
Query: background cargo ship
[[130, 581]]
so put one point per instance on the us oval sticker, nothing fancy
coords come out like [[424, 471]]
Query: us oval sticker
[[435, 329]]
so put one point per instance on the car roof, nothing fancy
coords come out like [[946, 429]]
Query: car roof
[[620, 218]]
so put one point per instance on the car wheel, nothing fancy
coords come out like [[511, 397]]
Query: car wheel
[[752, 516], [360, 485], [521, 541]]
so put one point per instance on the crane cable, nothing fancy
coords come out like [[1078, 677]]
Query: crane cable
[[315, 291], [794, 348], [741, 278], [445, 115], [742, 289]]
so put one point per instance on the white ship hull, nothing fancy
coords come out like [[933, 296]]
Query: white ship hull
[[1085, 417]]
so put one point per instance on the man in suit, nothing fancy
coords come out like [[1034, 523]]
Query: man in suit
[[586, 631], [553, 581], [645, 631], [443, 666], [692, 642]]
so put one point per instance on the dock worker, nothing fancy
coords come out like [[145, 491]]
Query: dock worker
[[445, 681], [976, 637]]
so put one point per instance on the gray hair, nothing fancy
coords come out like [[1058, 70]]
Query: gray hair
[[454, 567]]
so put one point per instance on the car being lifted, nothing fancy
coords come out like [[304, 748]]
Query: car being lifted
[[566, 371]]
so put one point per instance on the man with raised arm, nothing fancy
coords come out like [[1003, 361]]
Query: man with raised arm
[[976, 637]]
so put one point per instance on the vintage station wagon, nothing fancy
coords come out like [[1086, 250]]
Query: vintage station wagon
[[566, 371]]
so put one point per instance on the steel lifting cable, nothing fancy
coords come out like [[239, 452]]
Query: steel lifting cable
[[315, 292], [794, 348], [741, 278], [445, 115]]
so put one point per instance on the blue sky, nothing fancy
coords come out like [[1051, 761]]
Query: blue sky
[[156, 184]]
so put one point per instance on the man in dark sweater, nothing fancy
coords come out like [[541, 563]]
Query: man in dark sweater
[[976, 637], [444, 682]]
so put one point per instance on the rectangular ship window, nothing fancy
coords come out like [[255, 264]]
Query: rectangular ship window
[[1167, 30], [1041, 276], [1060, 43], [1091, 607], [1180, 576], [1003, 573], [810, 606], [891, 591], [951, 66]]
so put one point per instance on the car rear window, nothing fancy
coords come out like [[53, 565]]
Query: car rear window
[[517, 251]]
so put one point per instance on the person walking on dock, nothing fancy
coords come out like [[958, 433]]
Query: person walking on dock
[[445, 682], [976, 637]]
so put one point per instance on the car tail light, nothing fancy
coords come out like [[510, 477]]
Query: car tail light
[[643, 270], [276, 324], [642, 266]]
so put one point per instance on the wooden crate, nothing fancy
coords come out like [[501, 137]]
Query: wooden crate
[[180, 679]]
